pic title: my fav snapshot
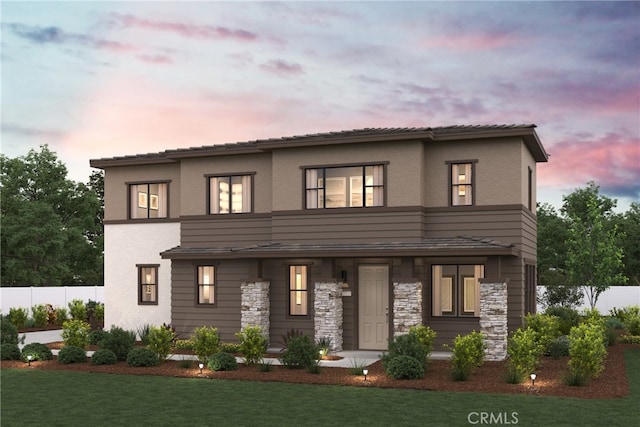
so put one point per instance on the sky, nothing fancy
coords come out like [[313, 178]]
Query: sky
[[104, 79]]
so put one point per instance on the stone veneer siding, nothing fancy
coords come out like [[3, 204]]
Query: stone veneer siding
[[255, 308], [407, 306], [493, 319], [327, 306]]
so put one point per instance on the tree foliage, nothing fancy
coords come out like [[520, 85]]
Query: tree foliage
[[51, 226], [594, 257]]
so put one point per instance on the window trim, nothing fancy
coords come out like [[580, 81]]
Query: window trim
[[457, 291], [363, 166], [214, 291], [473, 183], [230, 175], [291, 291], [140, 268], [129, 184]]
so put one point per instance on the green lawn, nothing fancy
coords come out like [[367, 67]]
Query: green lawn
[[56, 398]]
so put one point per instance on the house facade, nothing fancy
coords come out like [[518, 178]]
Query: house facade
[[353, 235]]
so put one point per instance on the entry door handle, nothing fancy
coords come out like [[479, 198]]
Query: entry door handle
[[386, 314]]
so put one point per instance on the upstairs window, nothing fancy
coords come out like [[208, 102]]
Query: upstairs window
[[344, 187], [148, 200], [298, 290], [462, 182], [148, 284], [456, 290], [230, 194]]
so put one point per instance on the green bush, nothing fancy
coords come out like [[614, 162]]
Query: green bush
[[615, 323], [9, 351], [104, 357], [426, 336], [291, 333], [547, 328], [143, 333], [467, 354], [38, 351], [253, 344], [96, 336], [206, 341], [587, 350], [629, 339], [569, 318], [301, 352], [142, 356], [266, 365], [513, 375], [18, 317], [524, 351], [119, 341], [8, 332], [62, 315], [403, 367], [575, 378], [230, 347], [222, 362], [76, 333], [77, 309], [95, 313], [630, 316], [183, 345], [40, 315], [324, 345], [72, 354], [559, 347], [407, 345], [161, 341]]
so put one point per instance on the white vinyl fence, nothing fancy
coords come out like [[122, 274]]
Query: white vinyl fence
[[57, 296], [615, 296]]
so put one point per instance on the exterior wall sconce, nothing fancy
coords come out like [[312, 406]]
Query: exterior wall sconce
[[533, 379]]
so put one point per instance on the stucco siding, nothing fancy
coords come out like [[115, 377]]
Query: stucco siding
[[126, 245]]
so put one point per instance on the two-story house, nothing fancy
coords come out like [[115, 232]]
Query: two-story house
[[352, 235]]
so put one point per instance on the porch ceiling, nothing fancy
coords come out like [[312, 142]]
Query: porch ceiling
[[455, 246]]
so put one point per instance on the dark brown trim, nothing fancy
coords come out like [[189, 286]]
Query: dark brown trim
[[208, 191], [197, 302], [473, 183], [139, 221], [156, 284], [147, 183], [216, 217], [344, 165], [309, 293]]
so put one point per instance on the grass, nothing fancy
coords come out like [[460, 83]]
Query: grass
[[69, 398]]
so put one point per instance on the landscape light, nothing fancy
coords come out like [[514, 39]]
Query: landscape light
[[533, 379], [365, 372]]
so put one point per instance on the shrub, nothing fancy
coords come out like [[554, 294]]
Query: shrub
[[143, 333], [95, 313], [40, 315], [615, 323], [266, 365], [524, 351], [161, 341], [513, 375], [76, 333], [72, 354], [222, 362], [559, 347], [51, 314], [629, 339], [630, 316], [206, 342], [575, 378], [426, 336], [253, 344], [142, 356], [186, 363], [18, 317], [96, 336], [407, 345], [324, 345], [468, 353], [8, 332], [38, 351], [230, 347], [183, 345], [403, 367], [104, 357], [119, 341], [568, 318], [77, 309], [314, 368], [291, 333], [301, 352], [9, 351], [62, 314], [357, 367], [547, 328], [587, 350]]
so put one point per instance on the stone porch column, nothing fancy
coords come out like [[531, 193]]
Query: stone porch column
[[327, 306], [407, 306], [493, 318], [255, 307]]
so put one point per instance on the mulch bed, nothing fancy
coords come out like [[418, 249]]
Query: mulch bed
[[612, 383]]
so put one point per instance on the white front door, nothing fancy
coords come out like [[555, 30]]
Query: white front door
[[373, 307]]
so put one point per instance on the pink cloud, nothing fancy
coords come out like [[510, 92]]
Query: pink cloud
[[469, 42], [185, 30], [278, 66], [155, 59], [612, 161]]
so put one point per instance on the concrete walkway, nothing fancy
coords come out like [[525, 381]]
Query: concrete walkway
[[350, 358]]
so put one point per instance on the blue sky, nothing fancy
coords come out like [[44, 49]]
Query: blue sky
[[101, 79]]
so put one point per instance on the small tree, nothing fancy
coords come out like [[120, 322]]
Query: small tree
[[594, 259]]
